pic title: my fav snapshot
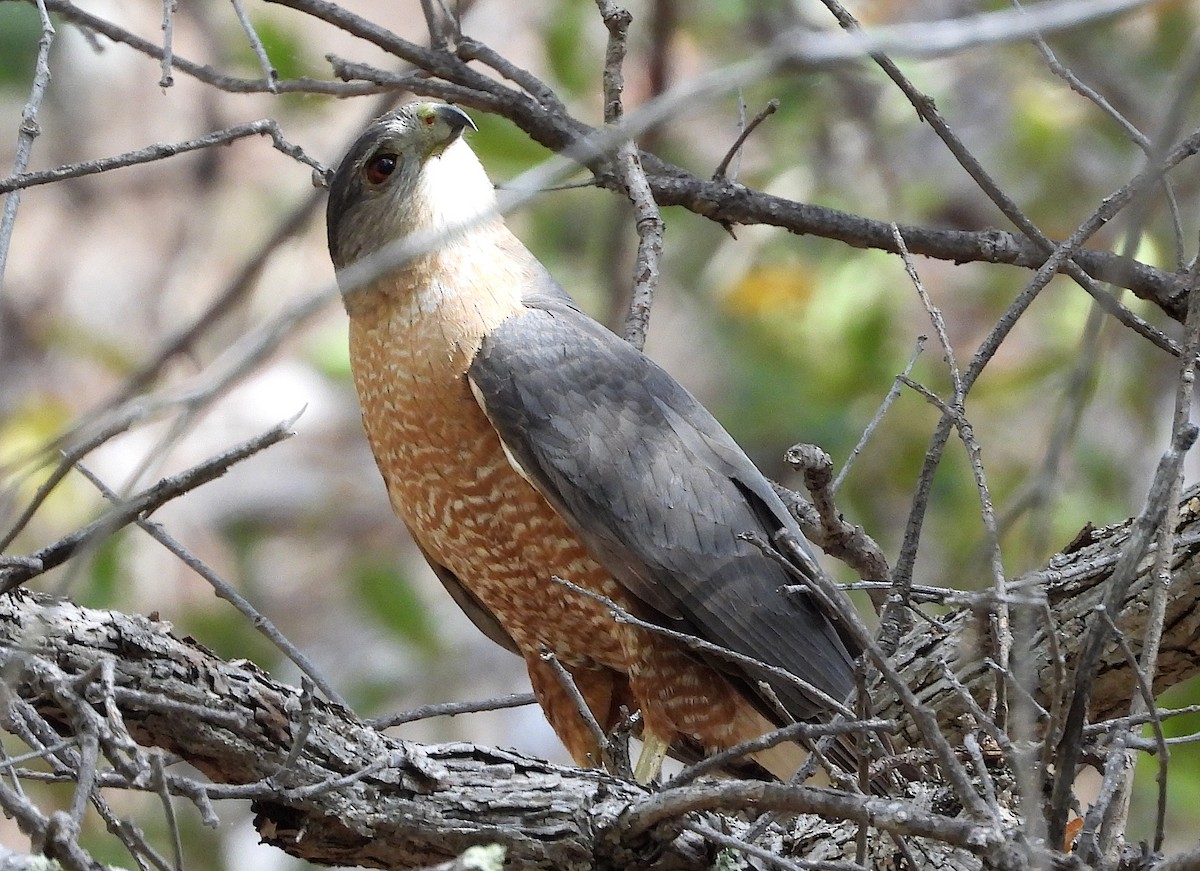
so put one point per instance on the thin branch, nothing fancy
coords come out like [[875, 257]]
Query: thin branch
[[726, 203], [770, 109], [1002, 636], [435, 25], [302, 732], [834, 534], [92, 24], [270, 74], [820, 587], [226, 591], [699, 645], [1142, 533], [877, 418], [935, 315], [928, 112], [68, 460], [773, 859], [806, 732], [617, 21], [27, 132], [139, 506], [452, 709], [169, 8], [472, 49], [890, 815], [1106, 821], [1107, 209], [1135, 136], [158, 781], [1104, 825], [567, 682], [627, 167], [264, 127]]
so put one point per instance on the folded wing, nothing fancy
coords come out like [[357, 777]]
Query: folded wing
[[659, 493]]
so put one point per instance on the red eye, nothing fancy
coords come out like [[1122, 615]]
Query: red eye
[[429, 119], [379, 167]]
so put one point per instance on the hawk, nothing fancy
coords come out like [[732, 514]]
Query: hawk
[[521, 443]]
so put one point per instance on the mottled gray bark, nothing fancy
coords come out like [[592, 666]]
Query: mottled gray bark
[[329, 788]]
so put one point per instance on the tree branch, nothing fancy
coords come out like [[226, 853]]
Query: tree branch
[[536, 111], [329, 788]]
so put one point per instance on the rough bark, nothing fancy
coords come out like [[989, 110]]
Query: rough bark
[[351, 795], [1072, 585], [231, 721]]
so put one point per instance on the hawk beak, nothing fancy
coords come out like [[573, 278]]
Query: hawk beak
[[453, 121], [454, 118]]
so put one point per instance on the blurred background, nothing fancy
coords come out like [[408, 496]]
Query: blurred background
[[787, 339]]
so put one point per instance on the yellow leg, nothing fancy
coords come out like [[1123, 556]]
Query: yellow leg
[[654, 751]]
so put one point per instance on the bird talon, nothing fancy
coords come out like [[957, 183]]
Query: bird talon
[[649, 764]]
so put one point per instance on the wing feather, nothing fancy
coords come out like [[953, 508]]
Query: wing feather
[[656, 489]]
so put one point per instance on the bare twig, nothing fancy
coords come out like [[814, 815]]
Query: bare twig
[[820, 587], [270, 74], [806, 732], [1140, 537], [890, 815], [158, 782], [452, 709], [567, 682], [66, 463], [303, 731], [1001, 628], [1107, 209], [226, 591], [140, 505], [726, 203], [1105, 821], [435, 24], [169, 8], [627, 167], [927, 110], [835, 535], [772, 859], [770, 109], [265, 127], [869, 430], [472, 49], [701, 646], [935, 315], [1136, 136], [26, 133], [93, 24]]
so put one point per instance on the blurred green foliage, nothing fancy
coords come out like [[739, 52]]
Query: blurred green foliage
[[286, 47], [20, 30], [387, 596], [572, 66]]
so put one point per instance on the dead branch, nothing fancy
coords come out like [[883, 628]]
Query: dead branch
[[449, 76], [1073, 584], [332, 789]]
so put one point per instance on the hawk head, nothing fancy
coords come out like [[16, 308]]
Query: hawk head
[[408, 172]]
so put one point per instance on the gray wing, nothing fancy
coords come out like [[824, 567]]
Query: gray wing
[[657, 490]]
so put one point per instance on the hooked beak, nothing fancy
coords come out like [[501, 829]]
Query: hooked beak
[[454, 118]]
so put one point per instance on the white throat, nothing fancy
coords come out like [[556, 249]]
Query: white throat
[[456, 194]]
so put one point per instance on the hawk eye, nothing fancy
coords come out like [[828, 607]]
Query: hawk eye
[[380, 166]]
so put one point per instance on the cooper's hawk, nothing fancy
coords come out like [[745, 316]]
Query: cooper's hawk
[[522, 442]]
